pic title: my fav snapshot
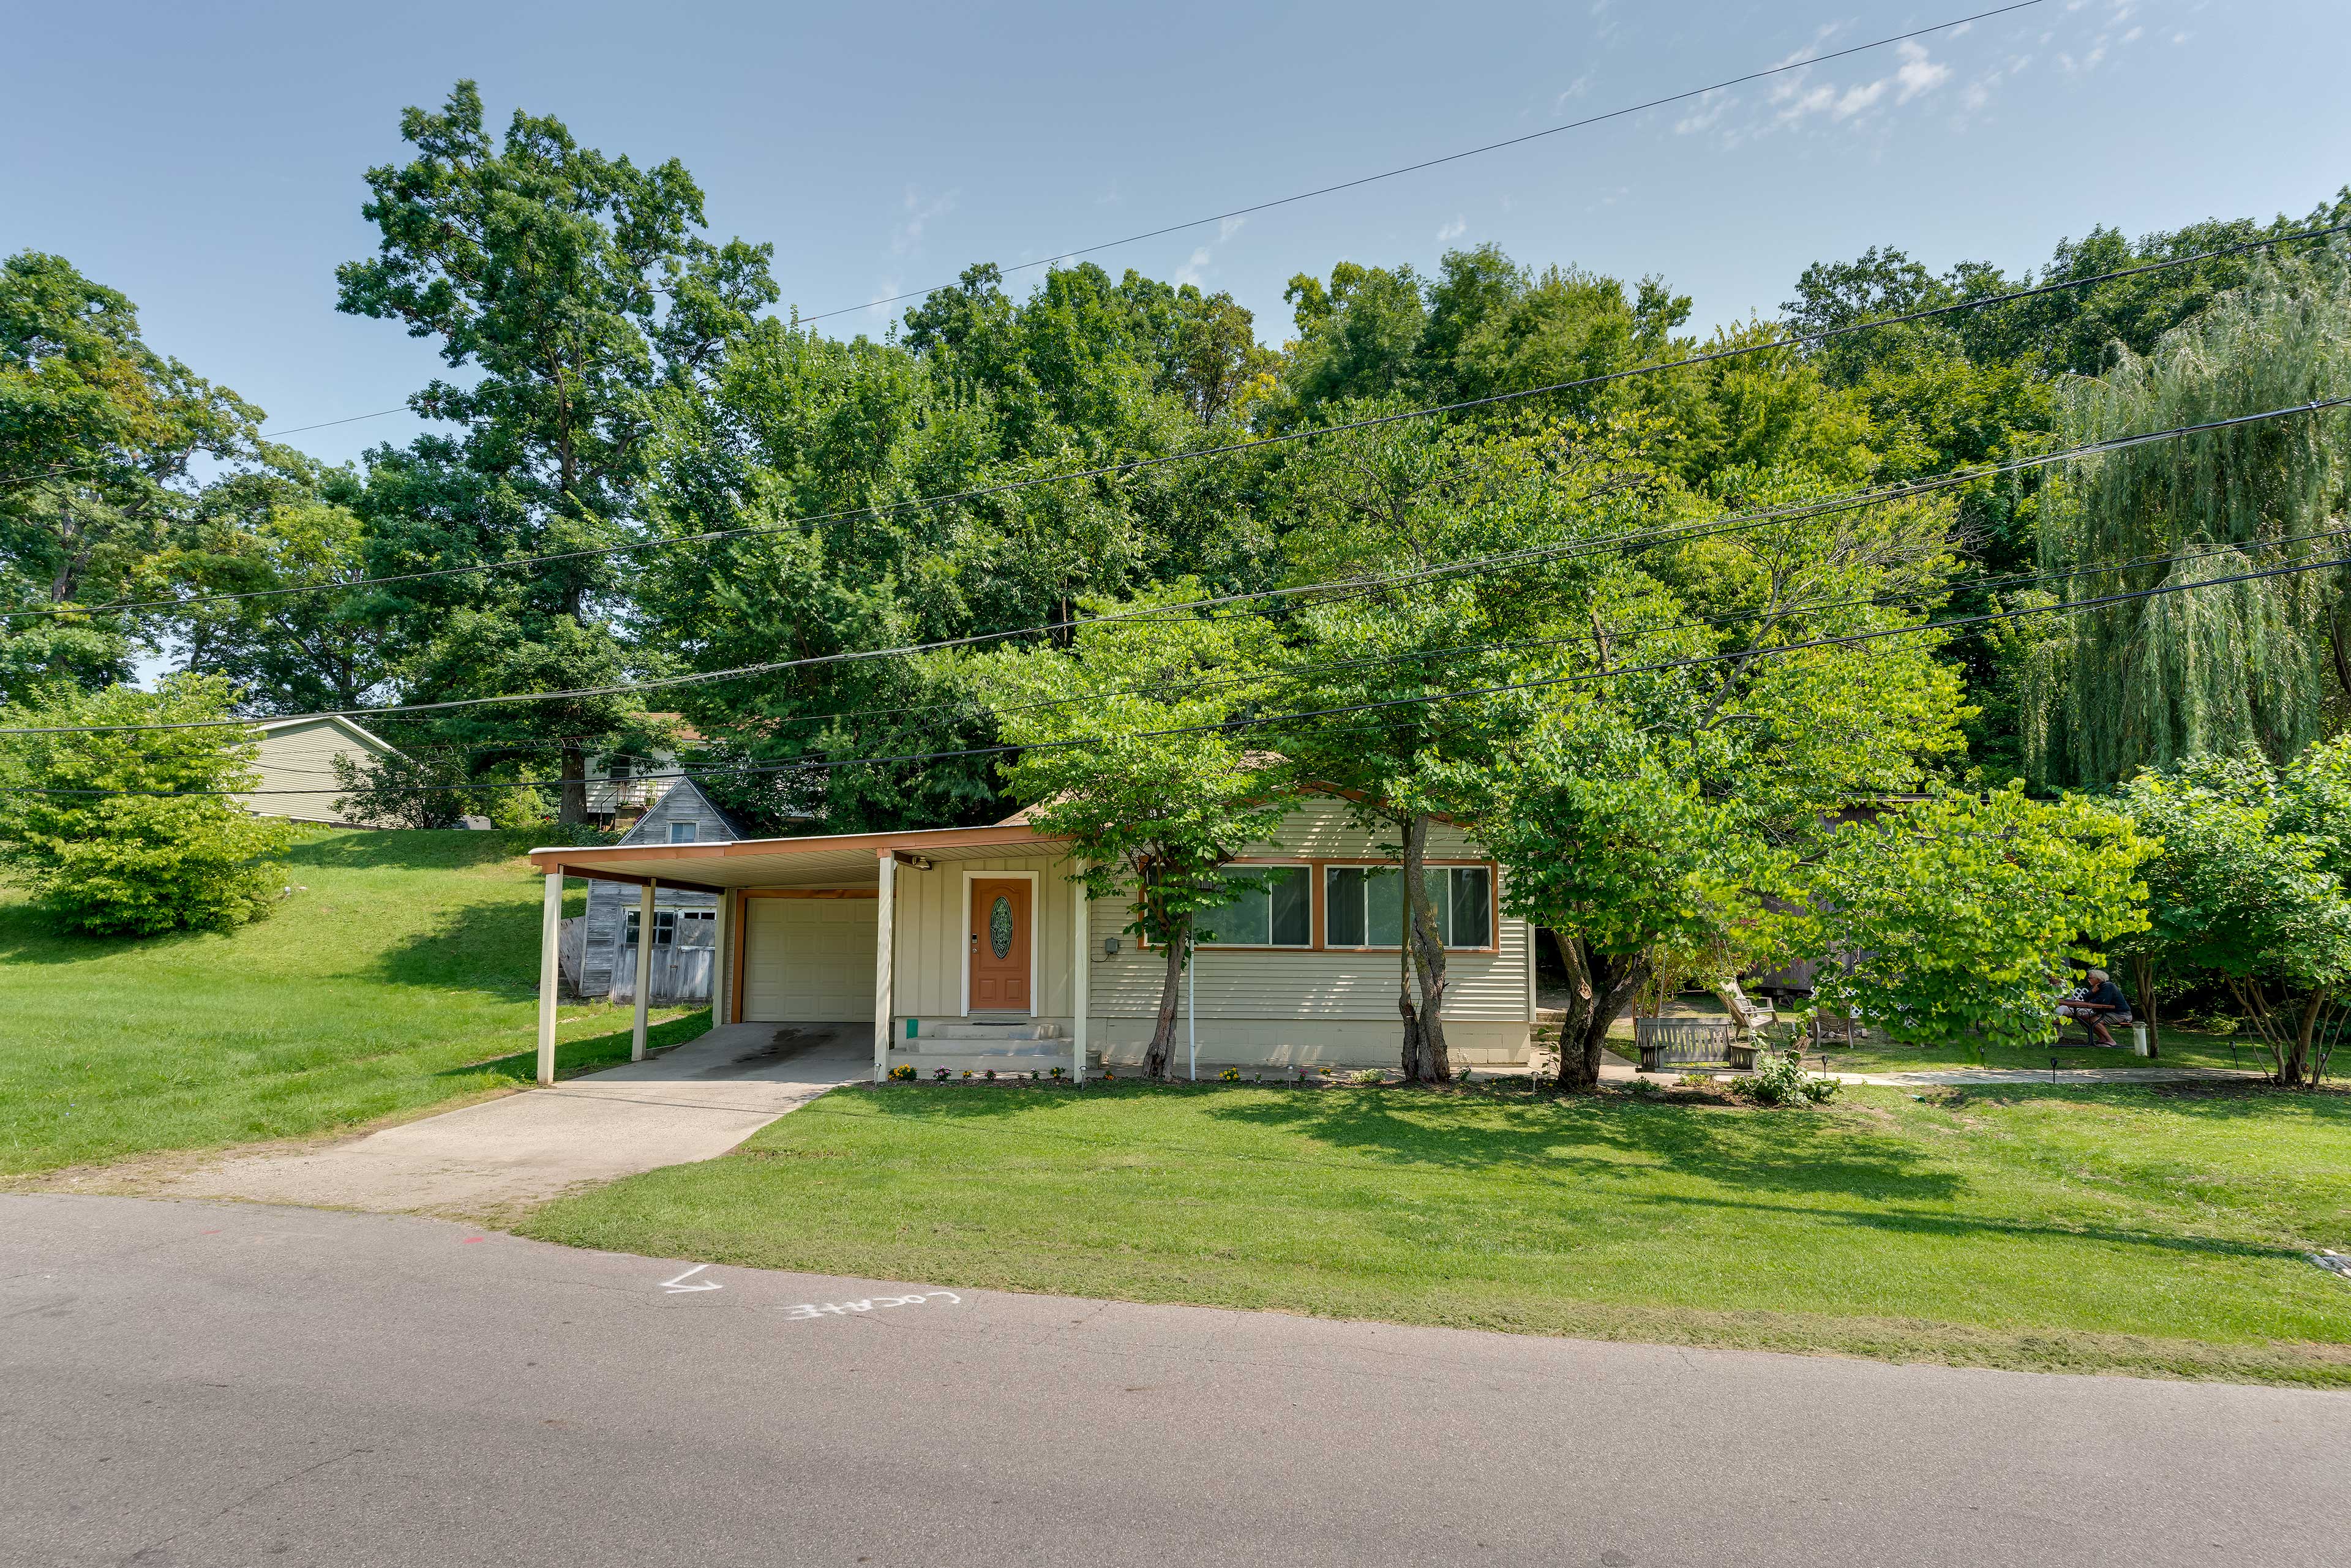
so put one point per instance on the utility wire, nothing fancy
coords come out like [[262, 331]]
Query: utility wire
[[1780, 69], [1133, 465], [1677, 533], [1631, 636], [1226, 726]]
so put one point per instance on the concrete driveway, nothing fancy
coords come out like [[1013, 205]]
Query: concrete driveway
[[691, 1103], [221, 1385]]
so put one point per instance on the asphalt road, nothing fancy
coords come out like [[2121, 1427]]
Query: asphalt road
[[186, 1383]]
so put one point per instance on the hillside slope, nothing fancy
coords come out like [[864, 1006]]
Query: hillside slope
[[402, 972]]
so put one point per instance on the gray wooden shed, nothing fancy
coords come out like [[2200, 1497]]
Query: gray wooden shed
[[603, 960]]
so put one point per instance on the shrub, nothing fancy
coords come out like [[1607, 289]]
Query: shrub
[[903, 1073], [1368, 1075], [1781, 1080], [175, 853]]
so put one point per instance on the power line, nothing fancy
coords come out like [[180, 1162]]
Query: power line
[[1743, 656], [1631, 635], [1782, 68], [1710, 528], [1133, 465]]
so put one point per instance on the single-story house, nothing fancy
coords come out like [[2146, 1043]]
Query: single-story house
[[963, 946], [296, 763], [599, 946]]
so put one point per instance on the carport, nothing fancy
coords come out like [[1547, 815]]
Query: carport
[[808, 927]]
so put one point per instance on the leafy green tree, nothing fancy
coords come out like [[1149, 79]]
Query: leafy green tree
[[576, 286], [405, 789], [286, 524], [1610, 838], [1955, 915], [171, 853], [2248, 889], [97, 432], [1148, 814], [2150, 680]]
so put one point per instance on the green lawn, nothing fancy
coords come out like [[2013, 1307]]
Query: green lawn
[[2086, 1230], [403, 975]]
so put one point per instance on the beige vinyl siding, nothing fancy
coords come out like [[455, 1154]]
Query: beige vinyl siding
[[300, 758], [1344, 983], [934, 934], [1323, 828], [1335, 984], [808, 960]]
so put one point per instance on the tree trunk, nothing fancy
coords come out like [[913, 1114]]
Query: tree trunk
[[573, 809], [1162, 1053], [1412, 1055], [2142, 966], [2296, 1066], [1598, 987], [1425, 1059]]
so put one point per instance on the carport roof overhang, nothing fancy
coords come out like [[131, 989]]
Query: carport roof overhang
[[831, 860]]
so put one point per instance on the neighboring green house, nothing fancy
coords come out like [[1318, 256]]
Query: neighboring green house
[[297, 767]]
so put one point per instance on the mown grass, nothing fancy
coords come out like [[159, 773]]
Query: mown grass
[[2125, 1229], [402, 974]]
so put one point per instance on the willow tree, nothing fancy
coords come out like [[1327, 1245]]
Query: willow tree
[[2216, 668]]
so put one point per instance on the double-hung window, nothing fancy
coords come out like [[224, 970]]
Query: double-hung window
[[681, 832], [1362, 905], [1277, 913]]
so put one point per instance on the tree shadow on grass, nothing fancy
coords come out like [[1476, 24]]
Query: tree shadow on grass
[[409, 848], [1959, 1227], [488, 947], [1622, 1144]]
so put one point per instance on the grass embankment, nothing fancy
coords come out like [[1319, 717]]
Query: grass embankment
[[404, 976], [2132, 1229]]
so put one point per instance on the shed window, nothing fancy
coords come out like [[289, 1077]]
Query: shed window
[[1279, 914], [681, 832], [664, 928], [617, 768]]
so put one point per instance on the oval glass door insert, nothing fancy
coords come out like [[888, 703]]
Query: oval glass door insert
[[999, 927]]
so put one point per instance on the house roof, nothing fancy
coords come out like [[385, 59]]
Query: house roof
[[375, 743], [815, 859], [644, 824]]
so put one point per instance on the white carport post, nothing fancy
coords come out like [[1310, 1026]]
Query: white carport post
[[885, 916], [644, 969], [550, 972], [1081, 964]]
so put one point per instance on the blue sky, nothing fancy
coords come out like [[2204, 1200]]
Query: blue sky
[[207, 158]]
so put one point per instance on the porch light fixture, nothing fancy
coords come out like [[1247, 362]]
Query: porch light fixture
[[912, 862]]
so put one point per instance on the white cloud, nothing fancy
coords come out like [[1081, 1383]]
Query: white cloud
[[1706, 114], [916, 216], [1918, 74], [1447, 233], [1229, 227], [1191, 271]]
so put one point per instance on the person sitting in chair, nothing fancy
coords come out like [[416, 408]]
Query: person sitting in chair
[[2096, 1004]]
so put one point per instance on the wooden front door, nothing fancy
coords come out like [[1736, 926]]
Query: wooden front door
[[999, 945]]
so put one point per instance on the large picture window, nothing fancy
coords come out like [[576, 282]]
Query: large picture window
[[1363, 905], [1278, 913]]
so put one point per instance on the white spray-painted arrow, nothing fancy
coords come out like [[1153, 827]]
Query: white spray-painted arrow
[[678, 1287]]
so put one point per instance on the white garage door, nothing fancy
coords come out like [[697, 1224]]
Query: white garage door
[[808, 960]]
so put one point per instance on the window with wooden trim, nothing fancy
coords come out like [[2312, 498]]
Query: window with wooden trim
[[683, 832], [1362, 905], [1278, 912]]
